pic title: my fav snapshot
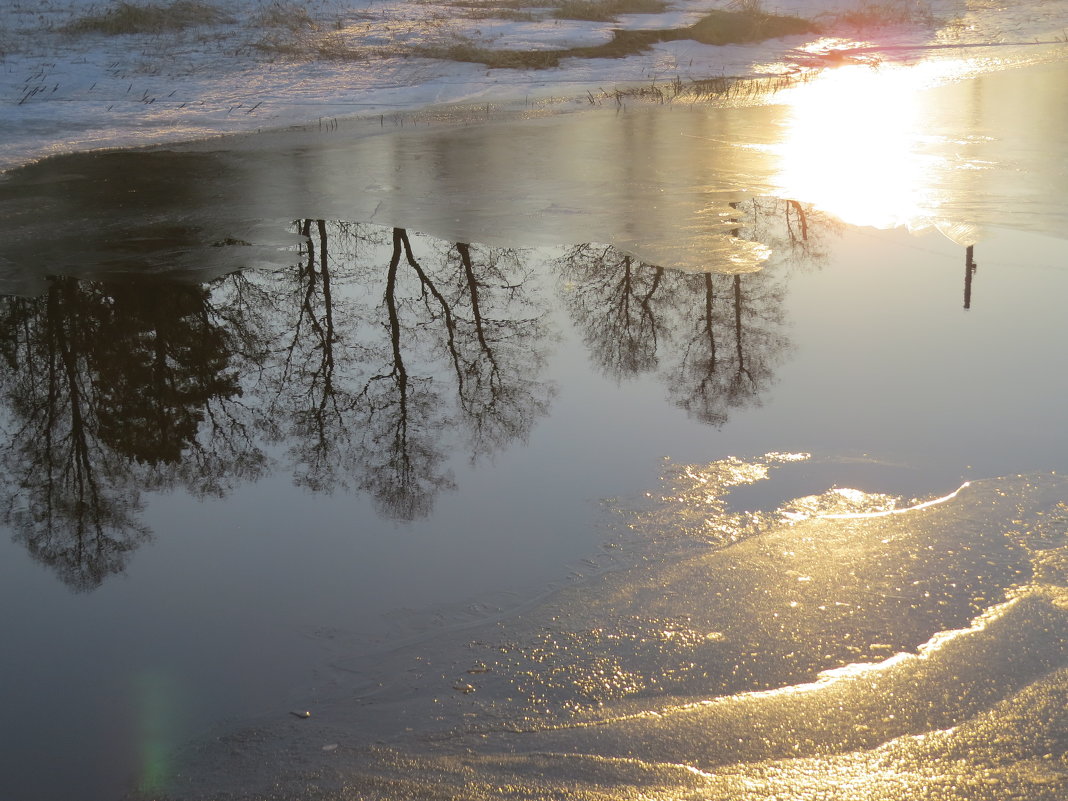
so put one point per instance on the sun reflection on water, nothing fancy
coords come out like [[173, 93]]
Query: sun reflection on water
[[857, 144]]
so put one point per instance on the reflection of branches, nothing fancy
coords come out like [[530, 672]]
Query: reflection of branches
[[158, 362], [613, 298], [726, 329], [62, 504], [796, 232], [404, 468], [118, 388], [366, 401], [107, 387], [309, 360], [225, 451], [742, 315], [316, 383], [499, 396], [700, 370]]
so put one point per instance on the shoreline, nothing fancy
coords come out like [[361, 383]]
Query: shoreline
[[91, 93]]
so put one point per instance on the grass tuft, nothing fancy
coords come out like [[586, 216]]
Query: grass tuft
[[285, 16], [517, 10], [131, 18], [606, 10], [744, 27], [883, 13], [722, 88], [468, 52], [716, 28], [288, 30], [514, 15], [313, 46]]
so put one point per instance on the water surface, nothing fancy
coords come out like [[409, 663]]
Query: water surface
[[320, 426]]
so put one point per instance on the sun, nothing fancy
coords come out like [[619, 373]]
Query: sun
[[856, 142]]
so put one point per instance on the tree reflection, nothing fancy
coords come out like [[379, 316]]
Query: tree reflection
[[617, 302], [372, 361], [714, 338], [736, 340], [107, 387], [385, 368], [158, 362], [370, 392], [498, 347], [401, 411], [797, 233]]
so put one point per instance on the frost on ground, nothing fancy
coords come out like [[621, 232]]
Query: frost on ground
[[79, 74]]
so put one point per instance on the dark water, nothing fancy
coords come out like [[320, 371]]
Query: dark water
[[260, 457]]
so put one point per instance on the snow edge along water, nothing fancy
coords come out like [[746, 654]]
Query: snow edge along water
[[65, 91]]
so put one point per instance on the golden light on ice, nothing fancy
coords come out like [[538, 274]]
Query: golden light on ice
[[855, 144]]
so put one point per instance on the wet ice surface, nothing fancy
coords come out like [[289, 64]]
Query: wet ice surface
[[260, 65], [842, 653], [390, 456]]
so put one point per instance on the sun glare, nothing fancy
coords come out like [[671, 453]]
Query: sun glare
[[855, 144]]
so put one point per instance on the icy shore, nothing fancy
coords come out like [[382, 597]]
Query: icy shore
[[248, 65]]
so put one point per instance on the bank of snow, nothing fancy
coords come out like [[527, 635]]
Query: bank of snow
[[261, 64]]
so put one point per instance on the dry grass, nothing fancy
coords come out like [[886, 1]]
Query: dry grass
[[751, 6], [285, 16], [314, 46], [889, 13], [511, 14], [487, 4], [716, 28], [132, 18], [743, 27], [468, 52], [883, 13], [290, 31], [606, 10], [723, 88]]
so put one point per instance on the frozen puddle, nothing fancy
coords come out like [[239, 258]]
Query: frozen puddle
[[843, 645]]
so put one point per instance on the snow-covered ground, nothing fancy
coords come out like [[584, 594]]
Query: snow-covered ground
[[259, 64]]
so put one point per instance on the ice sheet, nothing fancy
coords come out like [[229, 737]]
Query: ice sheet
[[897, 655]]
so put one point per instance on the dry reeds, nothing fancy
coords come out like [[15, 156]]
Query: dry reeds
[[133, 18], [883, 13], [606, 10], [720, 88], [715, 28], [284, 16]]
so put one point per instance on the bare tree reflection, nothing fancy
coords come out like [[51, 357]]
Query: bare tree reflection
[[743, 315], [385, 370], [616, 300], [797, 233], [370, 393], [404, 463], [499, 346], [373, 361], [307, 398], [698, 384], [715, 339], [106, 386]]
